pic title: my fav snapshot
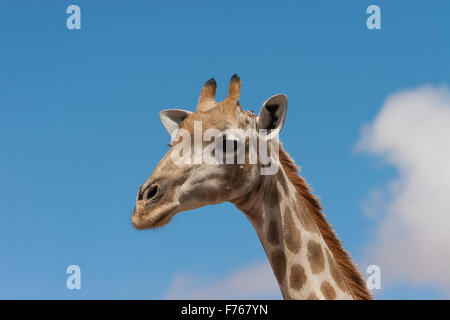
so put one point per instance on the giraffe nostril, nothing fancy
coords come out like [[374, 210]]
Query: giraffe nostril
[[152, 192]]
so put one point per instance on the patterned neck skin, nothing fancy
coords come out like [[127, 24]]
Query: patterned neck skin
[[302, 263], [308, 259]]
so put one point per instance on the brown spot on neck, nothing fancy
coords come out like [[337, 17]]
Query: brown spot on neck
[[272, 233], [271, 197], [278, 260], [292, 235], [312, 296], [315, 257], [298, 277], [327, 290], [304, 217]]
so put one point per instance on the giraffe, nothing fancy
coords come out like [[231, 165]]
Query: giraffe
[[307, 258]]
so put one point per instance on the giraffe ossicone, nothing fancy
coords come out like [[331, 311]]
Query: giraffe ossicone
[[308, 260]]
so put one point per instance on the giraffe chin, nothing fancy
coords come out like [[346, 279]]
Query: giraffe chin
[[151, 219]]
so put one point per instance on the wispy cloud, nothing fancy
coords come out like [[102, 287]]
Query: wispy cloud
[[251, 282], [412, 239]]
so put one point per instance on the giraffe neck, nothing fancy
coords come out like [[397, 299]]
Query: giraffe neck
[[302, 263]]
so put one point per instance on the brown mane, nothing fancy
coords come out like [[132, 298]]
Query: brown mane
[[349, 270]]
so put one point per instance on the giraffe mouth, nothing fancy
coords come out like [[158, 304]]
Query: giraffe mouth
[[160, 221], [143, 219]]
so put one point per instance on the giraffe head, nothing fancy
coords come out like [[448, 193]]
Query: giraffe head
[[215, 155]]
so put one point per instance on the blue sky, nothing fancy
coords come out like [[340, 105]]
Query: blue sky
[[79, 127]]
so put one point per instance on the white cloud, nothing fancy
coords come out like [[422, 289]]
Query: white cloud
[[252, 282], [412, 239]]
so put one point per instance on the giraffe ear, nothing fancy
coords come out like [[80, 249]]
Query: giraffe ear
[[172, 118], [272, 115]]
